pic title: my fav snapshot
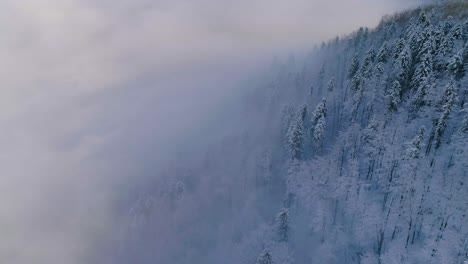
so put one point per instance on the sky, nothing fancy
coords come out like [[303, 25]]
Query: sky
[[92, 91]]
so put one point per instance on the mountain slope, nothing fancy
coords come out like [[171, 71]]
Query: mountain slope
[[355, 154]]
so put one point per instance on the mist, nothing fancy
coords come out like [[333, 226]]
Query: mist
[[101, 99]]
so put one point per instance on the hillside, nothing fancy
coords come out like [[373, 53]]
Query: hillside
[[356, 153]]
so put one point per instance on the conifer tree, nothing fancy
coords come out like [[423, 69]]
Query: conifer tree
[[379, 69], [464, 124], [383, 53], [422, 81], [319, 122], [414, 150], [464, 53], [331, 85], [394, 96], [391, 29], [354, 68], [321, 78], [265, 257], [403, 65], [367, 65], [446, 46], [448, 25], [456, 66], [450, 98], [295, 134], [311, 90], [356, 82], [457, 32], [288, 115], [427, 46], [423, 20], [282, 221], [399, 47]]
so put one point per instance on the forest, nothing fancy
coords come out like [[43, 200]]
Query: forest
[[354, 153]]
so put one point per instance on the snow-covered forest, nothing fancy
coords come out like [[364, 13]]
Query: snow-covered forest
[[355, 153]]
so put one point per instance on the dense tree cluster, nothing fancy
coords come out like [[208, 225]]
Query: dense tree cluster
[[356, 153]]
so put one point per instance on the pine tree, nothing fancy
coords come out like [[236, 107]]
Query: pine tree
[[414, 150], [456, 66], [423, 71], [321, 78], [465, 30], [288, 115], [446, 46], [450, 98], [295, 134], [367, 65], [423, 20], [320, 110], [265, 257], [319, 122], [356, 82], [354, 68], [394, 96], [391, 29], [464, 53], [422, 81], [443, 45], [464, 124], [457, 32], [301, 114], [311, 90], [319, 132], [382, 57], [331, 84], [419, 34], [142, 209], [403, 65], [427, 45], [282, 221], [379, 69], [448, 25], [399, 47]]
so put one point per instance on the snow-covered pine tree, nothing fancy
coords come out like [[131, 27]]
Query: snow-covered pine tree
[[356, 82], [413, 152], [424, 20], [366, 70], [403, 65], [400, 45], [422, 81], [319, 122], [456, 66], [449, 100], [379, 70], [319, 132], [265, 257], [457, 33], [354, 68], [331, 85], [464, 124], [282, 222], [321, 79], [383, 53], [295, 134], [394, 96], [288, 113]]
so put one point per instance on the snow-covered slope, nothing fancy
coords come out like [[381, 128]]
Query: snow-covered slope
[[355, 154]]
